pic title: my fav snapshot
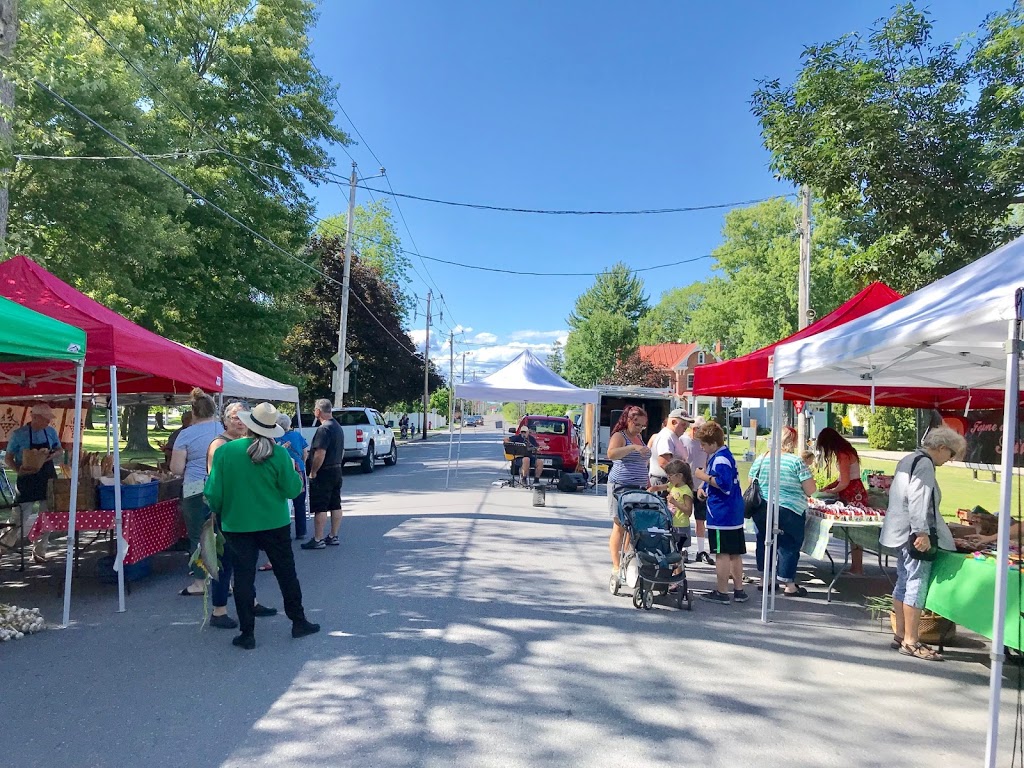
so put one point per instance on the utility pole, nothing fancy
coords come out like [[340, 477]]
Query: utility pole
[[804, 292], [426, 368], [339, 394], [8, 37], [451, 382], [463, 367]]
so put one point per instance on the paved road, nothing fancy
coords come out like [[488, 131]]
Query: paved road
[[469, 628]]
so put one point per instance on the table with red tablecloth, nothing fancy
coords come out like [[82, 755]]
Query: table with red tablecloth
[[147, 530]]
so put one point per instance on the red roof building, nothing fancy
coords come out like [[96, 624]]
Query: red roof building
[[678, 361]]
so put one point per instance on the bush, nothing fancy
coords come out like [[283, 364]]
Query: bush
[[892, 429]]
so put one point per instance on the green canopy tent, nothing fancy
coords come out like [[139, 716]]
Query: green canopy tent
[[27, 336]]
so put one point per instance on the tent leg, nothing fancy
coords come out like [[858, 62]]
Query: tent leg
[[1010, 407], [451, 440], [118, 520], [76, 450], [458, 453], [107, 423], [775, 461]]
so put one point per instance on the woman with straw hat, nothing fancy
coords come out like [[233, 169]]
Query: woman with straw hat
[[250, 485]]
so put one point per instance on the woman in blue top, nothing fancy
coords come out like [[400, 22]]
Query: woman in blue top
[[631, 457], [725, 513], [796, 483]]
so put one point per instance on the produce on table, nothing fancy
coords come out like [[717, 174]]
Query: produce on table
[[16, 622]]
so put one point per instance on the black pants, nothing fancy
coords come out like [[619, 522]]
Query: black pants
[[244, 551]]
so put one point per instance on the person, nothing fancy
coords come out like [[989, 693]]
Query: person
[[697, 458], [834, 449], [809, 459], [189, 460], [403, 424], [522, 463], [234, 428], [666, 445], [168, 447], [913, 513], [325, 461], [721, 488], [33, 481], [796, 483], [679, 486], [298, 449], [630, 463], [249, 486]]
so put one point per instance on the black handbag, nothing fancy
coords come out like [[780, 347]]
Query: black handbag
[[933, 534], [754, 501]]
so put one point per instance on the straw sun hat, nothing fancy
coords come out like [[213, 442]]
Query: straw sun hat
[[262, 420]]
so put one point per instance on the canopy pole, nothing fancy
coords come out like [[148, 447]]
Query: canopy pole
[[107, 423], [118, 521], [1010, 407], [775, 461], [451, 441], [76, 450], [595, 444], [458, 453]]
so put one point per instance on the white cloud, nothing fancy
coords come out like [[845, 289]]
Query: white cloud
[[537, 335], [485, 338]]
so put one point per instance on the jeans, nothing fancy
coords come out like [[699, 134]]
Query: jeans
[[245, 550], [196, 513], [791, 538], [299, 507]]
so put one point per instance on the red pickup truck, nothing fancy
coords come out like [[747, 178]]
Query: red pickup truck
[[557, 440]]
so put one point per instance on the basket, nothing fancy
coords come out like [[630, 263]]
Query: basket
[[934, 629], [169, 489], [132, 496], [58, 495]]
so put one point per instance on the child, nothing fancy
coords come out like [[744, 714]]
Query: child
[[680, 503], [809, 458]]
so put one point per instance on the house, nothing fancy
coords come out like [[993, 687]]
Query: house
[[678, 361]]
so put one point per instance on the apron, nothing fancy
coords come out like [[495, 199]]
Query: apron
[[34, 487]]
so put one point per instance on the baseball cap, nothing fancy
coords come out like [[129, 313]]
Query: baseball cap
[[680, 414]]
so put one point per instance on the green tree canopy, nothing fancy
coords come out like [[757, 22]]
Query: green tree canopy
[[556, 359], [593, 348], [616, 290], [912, 142], [670, 319]]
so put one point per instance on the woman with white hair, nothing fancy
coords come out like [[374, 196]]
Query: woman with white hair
[[250, 483], [914, 527]]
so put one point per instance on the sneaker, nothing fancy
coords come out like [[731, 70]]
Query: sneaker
[[248, 642], [223, 622], [714, 596], [704, 557], [332, 541], [262, 611], [740, 596], [314, 544], [303, 628]]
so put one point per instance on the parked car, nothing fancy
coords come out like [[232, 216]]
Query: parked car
[[473, 421], [557, 441], [367, 437]]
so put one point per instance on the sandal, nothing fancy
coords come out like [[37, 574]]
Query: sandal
[[798, 592], [896, 643], [920, 651], [266, 567], [186, 592]]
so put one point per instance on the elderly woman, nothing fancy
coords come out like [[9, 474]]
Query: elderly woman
[[796, 483], [250, 485], [910, 522], [630, 456]]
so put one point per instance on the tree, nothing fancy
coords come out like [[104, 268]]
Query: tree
[[390, 370], [913, 143], [892, 429], [556, 360], [593, 348], [235, 91], [440, 400], [669, 320], [636, 371], [616, 290]]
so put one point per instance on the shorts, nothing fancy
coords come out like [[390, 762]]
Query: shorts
[[614, 489], [727, 541], [911, 579], [681, 536], [700, 508], [325, 490]]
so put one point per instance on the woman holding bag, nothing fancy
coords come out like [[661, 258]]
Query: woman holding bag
[[796, 483], [914, 526]]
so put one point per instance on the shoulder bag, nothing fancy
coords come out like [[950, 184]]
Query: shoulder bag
[[754, 502]]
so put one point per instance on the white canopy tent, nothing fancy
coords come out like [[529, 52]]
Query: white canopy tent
[[961, 333], [525, 378], [241, 382]]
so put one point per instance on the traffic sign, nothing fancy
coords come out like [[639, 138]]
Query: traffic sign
[[335, 358]]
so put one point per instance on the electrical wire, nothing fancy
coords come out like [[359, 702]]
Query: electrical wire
[[564, 274]]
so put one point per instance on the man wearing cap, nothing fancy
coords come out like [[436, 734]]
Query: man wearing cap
[[32, 481], [698, 459], [666, 446], [522, 463]]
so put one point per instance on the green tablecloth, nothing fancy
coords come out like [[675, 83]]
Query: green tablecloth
[[963, 589], [818, 531]]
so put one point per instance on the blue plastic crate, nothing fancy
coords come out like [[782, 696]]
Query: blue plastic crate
[[132, 496], [132, 572]]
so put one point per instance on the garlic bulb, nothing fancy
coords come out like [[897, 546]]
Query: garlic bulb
[[15, 622]]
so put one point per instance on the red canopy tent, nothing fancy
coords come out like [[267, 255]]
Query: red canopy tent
[[146, 362]]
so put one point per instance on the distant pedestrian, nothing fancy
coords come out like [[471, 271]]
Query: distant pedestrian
[[326, 455], [249, 486]]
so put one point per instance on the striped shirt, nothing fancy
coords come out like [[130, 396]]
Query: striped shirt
[[631, 469], [792, 475]]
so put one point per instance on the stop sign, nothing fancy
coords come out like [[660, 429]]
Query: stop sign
[[798, 406]]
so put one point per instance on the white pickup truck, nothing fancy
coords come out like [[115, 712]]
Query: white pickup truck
[[367, 436]]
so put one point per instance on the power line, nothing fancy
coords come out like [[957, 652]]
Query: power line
[[562, 274]]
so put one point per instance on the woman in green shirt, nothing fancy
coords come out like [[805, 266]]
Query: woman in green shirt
[[251, 482]]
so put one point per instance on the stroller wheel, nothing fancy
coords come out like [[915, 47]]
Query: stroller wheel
[[613, 583], [638, 597], [648, 598], [689, 601]]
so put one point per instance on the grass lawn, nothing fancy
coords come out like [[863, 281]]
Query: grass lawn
[[95, 440]]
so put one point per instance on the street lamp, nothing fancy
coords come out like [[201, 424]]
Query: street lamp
[[353, 369]]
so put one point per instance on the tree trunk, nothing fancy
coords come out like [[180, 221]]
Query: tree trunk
[[88, 418], [138, 428], [158, 418], [122, 423]]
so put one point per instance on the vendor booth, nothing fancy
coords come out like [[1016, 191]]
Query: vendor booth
[[954, 344], [524, 379], [122, 358]]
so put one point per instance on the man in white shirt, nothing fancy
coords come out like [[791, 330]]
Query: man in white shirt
[[698, 459], [667, 445]]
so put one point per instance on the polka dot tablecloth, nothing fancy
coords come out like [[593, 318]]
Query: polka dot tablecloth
[[147, 530]]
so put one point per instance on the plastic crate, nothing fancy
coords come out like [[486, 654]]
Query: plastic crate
[[132, 572], [132, 496]]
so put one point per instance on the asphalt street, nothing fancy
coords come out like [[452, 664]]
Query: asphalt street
[[469, 628]]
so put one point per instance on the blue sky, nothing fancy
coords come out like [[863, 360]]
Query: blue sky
[[566, 105]]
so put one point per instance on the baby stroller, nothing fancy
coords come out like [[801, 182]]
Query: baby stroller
[[647, 565]]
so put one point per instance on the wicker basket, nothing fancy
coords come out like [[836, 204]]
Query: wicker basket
[[934, 630], [58, 495], [170, 489]]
